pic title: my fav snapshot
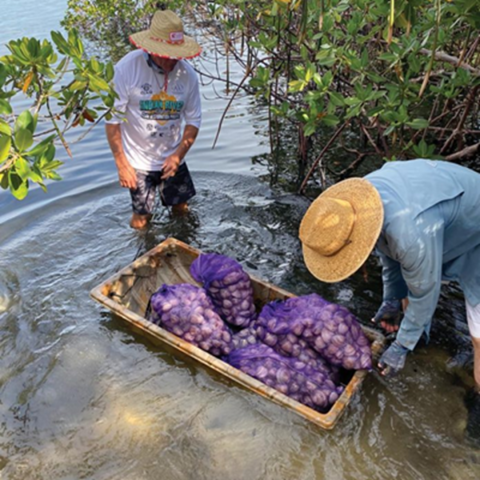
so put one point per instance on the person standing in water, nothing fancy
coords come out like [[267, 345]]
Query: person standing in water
[[423, 219], [159, 116]]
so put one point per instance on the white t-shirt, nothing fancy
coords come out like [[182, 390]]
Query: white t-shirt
[[153, 127]]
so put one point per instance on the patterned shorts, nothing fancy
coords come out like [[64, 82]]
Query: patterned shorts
[[173, 190]]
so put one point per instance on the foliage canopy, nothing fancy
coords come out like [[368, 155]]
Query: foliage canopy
[[66, 88]]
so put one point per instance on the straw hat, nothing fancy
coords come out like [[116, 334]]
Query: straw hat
[[165, 38], [340, 229]]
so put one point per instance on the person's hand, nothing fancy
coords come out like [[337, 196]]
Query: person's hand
[[127, 176], [393, 359], [389, 315], [170, 166], [472, 431]]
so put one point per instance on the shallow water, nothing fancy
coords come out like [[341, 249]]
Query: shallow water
[[83, 398]]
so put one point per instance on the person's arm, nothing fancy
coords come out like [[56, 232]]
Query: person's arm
[[421, 268], [173, 161], [422, 271], [394, 286], [395, 291], [126, 173]]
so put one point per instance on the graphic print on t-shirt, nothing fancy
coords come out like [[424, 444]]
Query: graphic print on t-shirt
[[162, 107]]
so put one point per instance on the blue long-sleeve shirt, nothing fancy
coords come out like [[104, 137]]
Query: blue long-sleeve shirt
[[431, 232]]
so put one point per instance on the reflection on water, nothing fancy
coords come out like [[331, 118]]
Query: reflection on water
[[83, 397]]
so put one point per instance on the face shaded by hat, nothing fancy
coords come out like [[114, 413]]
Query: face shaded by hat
[[340, 229], [165, 38]]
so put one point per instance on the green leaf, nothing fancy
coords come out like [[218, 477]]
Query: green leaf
[[4, 180], [61, 43], [46, 51], [330, 120], [354, 111], [98, 83], [390, 116], [95, 65], [75, 43], [375, 111], [5, 128], [41, 147], [389, 130], [5, 144], [364, 61], [309, 129], [326, 61], [297, 85], [49, 154], [25, 121], [375, 78], [388, 57], [418, 123], [53, 176], [109, 72], [35, 175], [78, 85], [337, 99], [33, 47], [5, 107], [328, 23], [53, 165], [3, 74], [23, 139], [62, 64], [352, 101], [22, 167], [18, 186]]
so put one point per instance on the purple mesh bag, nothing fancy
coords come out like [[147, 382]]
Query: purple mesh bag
[[228, 286], [299, 381], [186, 311], [336, 334], [245, 337], [276, 326], [310, 321]]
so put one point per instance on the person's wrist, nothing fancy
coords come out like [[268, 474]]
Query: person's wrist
[[122, 162]]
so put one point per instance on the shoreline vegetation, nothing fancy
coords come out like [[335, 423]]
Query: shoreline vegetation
[[347, 85]]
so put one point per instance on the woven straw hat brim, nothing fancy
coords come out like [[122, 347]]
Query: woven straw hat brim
[[188, 49], [368, 208]]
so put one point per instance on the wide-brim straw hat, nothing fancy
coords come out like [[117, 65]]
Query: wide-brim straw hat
[[340, 228], [165, 38]]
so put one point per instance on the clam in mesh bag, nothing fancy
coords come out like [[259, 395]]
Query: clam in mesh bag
[[290, 376], [228, 285], [186, 311], [310, 321]]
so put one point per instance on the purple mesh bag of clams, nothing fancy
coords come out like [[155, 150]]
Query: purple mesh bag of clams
[[329, 329], [276, 326], [244, 337], [228, 285], [186, 311], [289, 376]]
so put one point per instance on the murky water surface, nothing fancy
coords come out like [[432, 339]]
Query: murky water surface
[[83, 398]]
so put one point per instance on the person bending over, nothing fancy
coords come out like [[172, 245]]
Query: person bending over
[[423, 219]]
